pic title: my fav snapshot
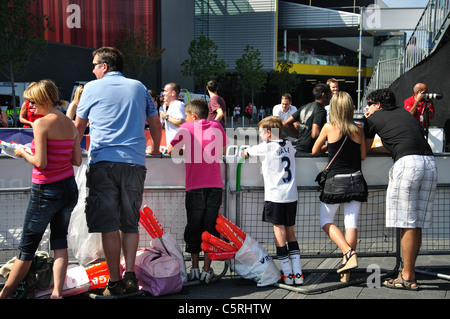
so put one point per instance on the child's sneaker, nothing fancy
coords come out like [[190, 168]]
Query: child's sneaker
[[288, 280], [194, 274], [206, 276], [298, 279]]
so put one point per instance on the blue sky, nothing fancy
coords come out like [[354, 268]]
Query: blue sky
[[406, 3]]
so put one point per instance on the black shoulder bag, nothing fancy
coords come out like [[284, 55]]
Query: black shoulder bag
[[322, 176]]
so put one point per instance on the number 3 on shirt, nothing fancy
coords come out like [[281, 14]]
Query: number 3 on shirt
[[288, 178]]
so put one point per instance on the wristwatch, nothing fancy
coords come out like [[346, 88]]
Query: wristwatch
[[166, 117]]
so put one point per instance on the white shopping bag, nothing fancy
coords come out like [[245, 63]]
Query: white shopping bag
[[253, 262], [86, 247]]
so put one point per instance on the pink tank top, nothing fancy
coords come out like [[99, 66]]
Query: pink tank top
[[59, 162]]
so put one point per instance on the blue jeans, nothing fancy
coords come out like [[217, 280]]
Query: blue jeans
[[49, 204], [202, 209]]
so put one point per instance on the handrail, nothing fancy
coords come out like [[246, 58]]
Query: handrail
[[429, 31]]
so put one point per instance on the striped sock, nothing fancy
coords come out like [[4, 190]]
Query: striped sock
[[294, 255]]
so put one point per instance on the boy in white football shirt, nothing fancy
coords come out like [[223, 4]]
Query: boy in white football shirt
[[280, 194]]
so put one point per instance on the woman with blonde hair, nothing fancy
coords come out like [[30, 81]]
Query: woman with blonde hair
[[72, 109], [54, 192], [345, 183]]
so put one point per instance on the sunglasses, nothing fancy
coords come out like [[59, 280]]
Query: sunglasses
[[95, 64], [371, 103]]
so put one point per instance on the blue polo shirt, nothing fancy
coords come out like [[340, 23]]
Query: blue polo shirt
[[117, 109]]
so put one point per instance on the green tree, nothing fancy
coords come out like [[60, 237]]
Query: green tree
[[139, 51], [21, 39], [283, 79], [204, 63], [249, 67]]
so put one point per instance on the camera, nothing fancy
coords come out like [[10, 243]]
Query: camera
[[433, 96]]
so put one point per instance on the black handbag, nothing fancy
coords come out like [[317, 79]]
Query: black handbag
[[322, 176]]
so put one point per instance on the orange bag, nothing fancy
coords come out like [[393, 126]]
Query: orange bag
[[98, 275]]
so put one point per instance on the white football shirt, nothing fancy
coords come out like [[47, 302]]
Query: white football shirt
[[278, 169]]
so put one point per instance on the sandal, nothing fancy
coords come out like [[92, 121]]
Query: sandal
[[400, 283], [351, 261], [344, 276]]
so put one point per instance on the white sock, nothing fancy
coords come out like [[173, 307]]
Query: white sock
[[283, 258], [296, 265], [294, 255]]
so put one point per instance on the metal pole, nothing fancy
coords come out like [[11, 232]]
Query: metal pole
[[359, 60]]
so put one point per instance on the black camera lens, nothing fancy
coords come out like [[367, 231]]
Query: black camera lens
[[433, 96]]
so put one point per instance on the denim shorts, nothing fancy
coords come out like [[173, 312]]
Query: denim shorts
[[202, 209], [49, 204], [114, 196], [344, 188]]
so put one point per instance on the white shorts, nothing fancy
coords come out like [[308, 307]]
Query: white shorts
[[351, 212], [410, 193]]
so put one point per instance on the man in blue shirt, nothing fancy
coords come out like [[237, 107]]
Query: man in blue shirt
[[117, 109]]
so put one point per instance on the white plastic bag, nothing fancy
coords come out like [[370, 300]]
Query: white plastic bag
[[87, 247], [167, 243], [76, 282], [253, 262]]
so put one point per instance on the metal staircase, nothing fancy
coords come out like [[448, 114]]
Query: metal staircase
[[430, 30]]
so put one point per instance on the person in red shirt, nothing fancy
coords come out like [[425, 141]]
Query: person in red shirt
[[417, 105], [27, 114], [217, 105]]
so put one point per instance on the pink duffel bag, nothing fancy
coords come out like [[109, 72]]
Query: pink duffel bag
[[158, 273]]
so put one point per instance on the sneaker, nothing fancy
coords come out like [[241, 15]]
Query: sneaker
[[114, 289], [288, 280], [130, 282], [206, 276], [298, 279], [194, 274]]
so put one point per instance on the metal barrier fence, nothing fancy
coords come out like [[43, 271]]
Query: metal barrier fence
[[12, 212], [373, 237], [375, 240], [167, 203]]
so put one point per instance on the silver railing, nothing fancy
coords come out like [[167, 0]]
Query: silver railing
[[424, 40]]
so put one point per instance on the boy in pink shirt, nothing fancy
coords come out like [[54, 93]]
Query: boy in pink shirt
[[203, 143]]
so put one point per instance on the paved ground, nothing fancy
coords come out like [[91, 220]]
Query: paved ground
[[325, 285], [233, 297], [321, 282]]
